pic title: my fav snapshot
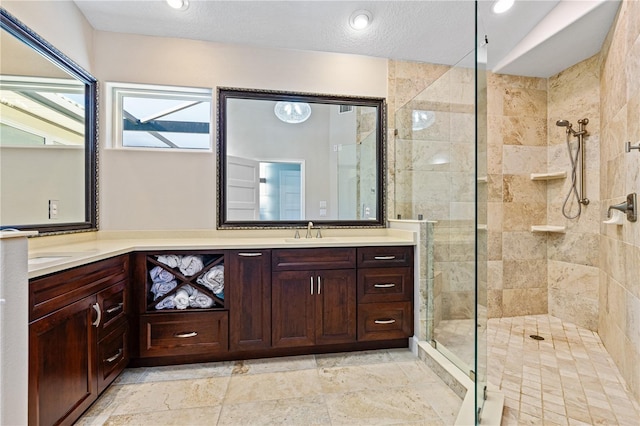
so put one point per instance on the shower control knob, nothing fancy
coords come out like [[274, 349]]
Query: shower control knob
[[628, 147]]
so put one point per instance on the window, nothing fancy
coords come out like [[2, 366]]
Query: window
[[161, 117]]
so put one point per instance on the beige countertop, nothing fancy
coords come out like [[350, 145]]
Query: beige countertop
[[46, 258]]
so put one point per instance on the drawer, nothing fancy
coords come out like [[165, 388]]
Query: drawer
[[377, 257], [385, 285], [184, 333], [113, 356], [313, 259], [52, 292], [384, 321], [114, 307]]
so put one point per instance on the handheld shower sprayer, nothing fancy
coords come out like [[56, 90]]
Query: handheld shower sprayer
[[575, 160], [564, 123]]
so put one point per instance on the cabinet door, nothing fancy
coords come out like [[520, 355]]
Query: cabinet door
[[62, 364], [335, 300], [249, 293], [293, 309]]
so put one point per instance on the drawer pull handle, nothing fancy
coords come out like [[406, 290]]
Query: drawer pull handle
[[249, 254], [96, 307], [389, 285], [116, 356], [384, 257], [385, 321], [185, 335], [115, 308]]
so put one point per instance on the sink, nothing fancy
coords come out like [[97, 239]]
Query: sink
[[45, 259], [310, 240]]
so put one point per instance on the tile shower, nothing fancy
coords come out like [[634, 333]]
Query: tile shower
[[587, 276]]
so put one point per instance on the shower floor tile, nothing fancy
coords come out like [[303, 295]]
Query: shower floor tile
[[566, 379]]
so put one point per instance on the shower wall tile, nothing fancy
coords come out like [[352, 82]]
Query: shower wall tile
[[494, 304], [494, 184], [520, 216], [527, 131], [618, 323], [527, 102], [573, 293], [526, 301], [523, 159], [520, 188], [575, 248], [523, 246], [525, 273], [494, 245]]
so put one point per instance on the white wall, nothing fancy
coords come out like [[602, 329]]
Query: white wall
[[60, 23], [31, 176], [177, 190]]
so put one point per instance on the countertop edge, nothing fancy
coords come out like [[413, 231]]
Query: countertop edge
[[79, 254]]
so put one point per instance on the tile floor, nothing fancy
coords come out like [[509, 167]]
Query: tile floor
[[372, 387], [566, 379]]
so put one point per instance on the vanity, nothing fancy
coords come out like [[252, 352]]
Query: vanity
[[89, 321]]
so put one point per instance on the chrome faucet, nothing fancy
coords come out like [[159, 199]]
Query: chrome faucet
[[309, 226]]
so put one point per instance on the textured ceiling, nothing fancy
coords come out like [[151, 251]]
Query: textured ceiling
[[441, 32]]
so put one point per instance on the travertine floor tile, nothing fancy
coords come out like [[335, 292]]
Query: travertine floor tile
[[371, 387]]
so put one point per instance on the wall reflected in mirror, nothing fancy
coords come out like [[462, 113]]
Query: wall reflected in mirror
[[47, 135], [291, 159]]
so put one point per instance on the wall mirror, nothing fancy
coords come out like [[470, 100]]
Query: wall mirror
[[48, 141], [285, 159]]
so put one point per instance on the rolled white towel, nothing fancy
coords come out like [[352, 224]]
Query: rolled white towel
[[200, 300], [159, 289], [161, 275], [171, 260], [191, 265], [181, 298], [213, 279], [166, 303]]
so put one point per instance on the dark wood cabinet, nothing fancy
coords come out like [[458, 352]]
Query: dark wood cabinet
[[249, 299], [62, 364], [72, 337], [385, 293], [317, 306]]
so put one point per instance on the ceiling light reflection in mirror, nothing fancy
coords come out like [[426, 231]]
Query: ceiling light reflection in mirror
[[292, 112]]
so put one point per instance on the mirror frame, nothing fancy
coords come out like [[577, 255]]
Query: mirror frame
[[224, 93], [23, 33]]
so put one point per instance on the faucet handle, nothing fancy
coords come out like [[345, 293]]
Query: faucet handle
[[318, 234], [297, 235]]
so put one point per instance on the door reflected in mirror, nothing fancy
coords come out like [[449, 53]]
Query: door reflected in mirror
[[289, 158]]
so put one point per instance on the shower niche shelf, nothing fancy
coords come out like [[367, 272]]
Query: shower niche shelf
[[548, 176], [549, 228]]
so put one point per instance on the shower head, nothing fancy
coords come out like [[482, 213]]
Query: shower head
[[563, 123]]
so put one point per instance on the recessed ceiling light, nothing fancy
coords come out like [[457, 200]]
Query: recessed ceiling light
[[178, 4], [501, 6], [360, 19]]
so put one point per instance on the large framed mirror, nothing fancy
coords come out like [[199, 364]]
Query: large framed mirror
[[285, 159], [48, 135]]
